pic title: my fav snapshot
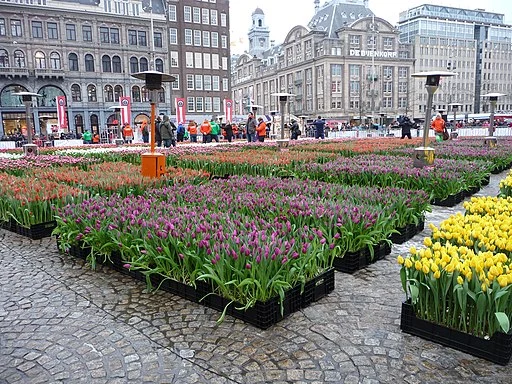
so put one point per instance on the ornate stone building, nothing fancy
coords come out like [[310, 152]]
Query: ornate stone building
[[347, 64]]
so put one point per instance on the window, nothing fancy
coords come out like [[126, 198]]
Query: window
[[197, 38], [335, 69], [199, 82], [73, 62], [388, 43], [205, 16], [55, 61], [191, 104], [157, 39], [187, 14], [189, 59], [143, 41], [402, 87], [225, 85], [143, 62], [224, 41], [216, 104], [19, 59], [188, 37], [108, 94], [118, 92], [196, 16], [159, 65], [16, 30], [174, 59], [199, 104], [116, 65], [190, 82], [403, 72], [215, 40], [207, 61], [132, 37], [70, 32], [104, 35], [215, 61], [387, 72], [208, 104], [76, 93], [40, 60], [52, 30], [89, 63], [207, 82], [223, 20], [354, 70], [87, 33], [2, 27], [402, 102], [4, 58], [206, 38], [387, 102], [176, 83], [114, 35], [215, 81], [336, 86], [371, 42], [136, 94], [37, 29], [213, 17], [91, 93], [144, 94], [198, 60], [106, 64], [173, 36], [355, 41], [172, 13]]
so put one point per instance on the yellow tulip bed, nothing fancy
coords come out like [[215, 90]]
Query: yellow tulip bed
[[506, 186], [462, 279]]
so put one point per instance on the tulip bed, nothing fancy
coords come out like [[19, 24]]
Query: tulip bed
[[462, 279]]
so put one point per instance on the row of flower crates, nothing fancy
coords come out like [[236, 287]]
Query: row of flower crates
[[34, 232]]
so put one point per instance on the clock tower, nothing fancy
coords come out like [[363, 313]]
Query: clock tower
[[259, 34]]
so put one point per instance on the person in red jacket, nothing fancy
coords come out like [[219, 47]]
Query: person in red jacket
[[438, 125], [261, 130], [206, 130], [192, 130]]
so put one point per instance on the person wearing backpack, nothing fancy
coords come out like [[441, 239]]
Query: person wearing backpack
[[251, 127], [167, 132], [180, 133]]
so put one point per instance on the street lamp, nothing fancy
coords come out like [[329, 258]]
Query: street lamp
[[455, 107], [491, 141], [117, 109], [425, 155], [283, 99], [273, 114], [27, 97], [153, 164]]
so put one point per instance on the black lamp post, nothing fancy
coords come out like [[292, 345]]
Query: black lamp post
[[27, 97]]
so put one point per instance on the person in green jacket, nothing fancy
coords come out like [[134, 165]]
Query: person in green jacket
[[87, 137], [215, 130]]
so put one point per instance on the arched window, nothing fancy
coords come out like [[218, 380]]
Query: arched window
[[79, 123], [260, 23], [8, 100], [94, 123], [73, 62], [49, 94], [161, 95], [118, 92], [76, 93], [91, 93], [135, 94], [55, 61], [108, 94], [4, 58], [159, 65], [145, 94], [143, 64], [134, 65], [40, 60], [116, 65], [19, 59], [89, 63], [106, 64]]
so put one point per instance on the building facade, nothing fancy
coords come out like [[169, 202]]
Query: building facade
[[347, 64], [476, 45], [87, 50]]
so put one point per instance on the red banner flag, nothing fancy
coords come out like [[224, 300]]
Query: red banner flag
[[228, 110], [126, 111], [181, 113], [61, 112]]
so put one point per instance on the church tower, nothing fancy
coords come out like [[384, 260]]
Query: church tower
[[259, 34]]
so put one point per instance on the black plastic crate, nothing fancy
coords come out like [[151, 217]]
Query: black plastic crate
[[497, 349], [486, 180], [421, 226], [400, 237], [36, 231], [351, 261], [318, 287]]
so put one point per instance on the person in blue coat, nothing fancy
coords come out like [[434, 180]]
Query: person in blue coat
[[319, 128]]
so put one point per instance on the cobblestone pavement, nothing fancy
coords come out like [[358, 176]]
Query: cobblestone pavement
[[62, 322]]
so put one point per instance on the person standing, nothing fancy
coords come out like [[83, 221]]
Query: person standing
[[127, 133], [229, 131], [180, 133], [167, 133], [215, 130], [261, 130], [206, 130], [295, 130], [87, 137], [192, 130], [319, 128], [405, 124], [250, 127], [145, 131], [438, 125], [158, 135]]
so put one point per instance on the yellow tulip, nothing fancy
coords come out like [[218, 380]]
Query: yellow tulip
[[408, 263], [437, 274], [400, 260], [460, 280], [427, 242]]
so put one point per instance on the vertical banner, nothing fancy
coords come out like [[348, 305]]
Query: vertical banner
[[126, 111], [228, 110], [180, 110], [61, 112]]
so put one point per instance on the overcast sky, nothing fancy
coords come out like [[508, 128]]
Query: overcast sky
[[283, 15]]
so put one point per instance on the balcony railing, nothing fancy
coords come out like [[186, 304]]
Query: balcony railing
[[13, 72]]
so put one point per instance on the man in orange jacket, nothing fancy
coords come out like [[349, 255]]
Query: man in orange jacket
[[192, 130], [206, 130], [438, 125], [128, 133], [261, 130]]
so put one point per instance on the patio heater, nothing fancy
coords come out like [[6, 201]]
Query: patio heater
[[283, 99], [303, 119], [117, 109], [491, 141], [27, 97], [153, 164], [424, 155], [455, 107], [273, 114]]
